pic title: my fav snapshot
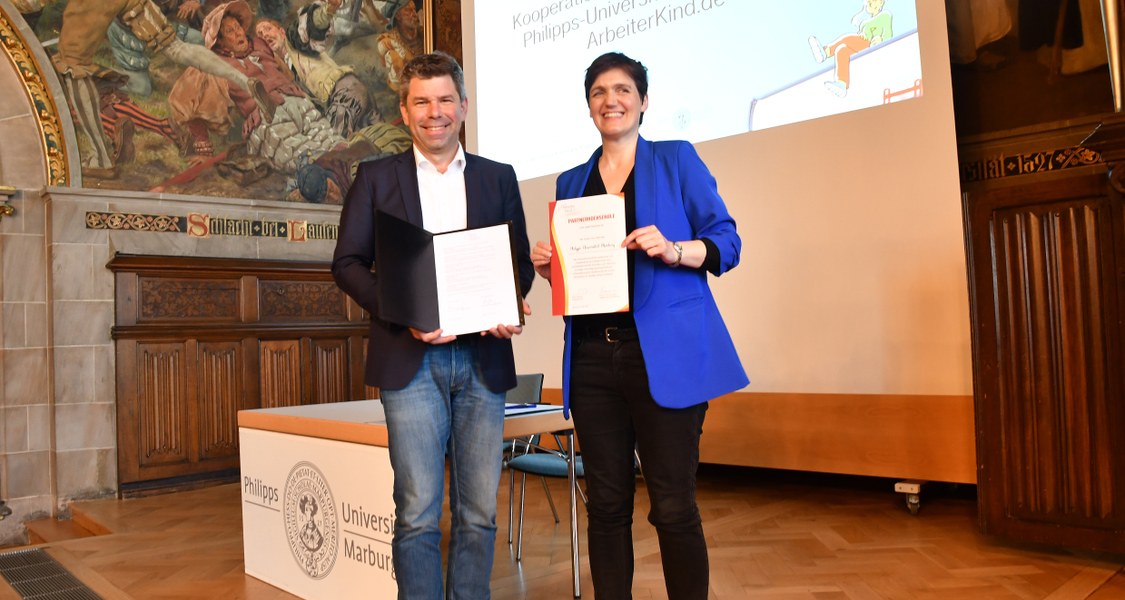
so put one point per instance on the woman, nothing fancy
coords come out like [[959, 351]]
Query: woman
[[642, 379]]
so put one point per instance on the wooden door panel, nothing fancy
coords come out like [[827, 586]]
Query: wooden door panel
[[330, 371], [162, 404], [1047, 362], [219, 395], [280, 367]]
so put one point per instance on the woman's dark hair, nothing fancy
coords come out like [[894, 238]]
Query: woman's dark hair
[[616, 60]]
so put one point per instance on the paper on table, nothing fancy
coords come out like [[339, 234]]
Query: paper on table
[[589, 268]]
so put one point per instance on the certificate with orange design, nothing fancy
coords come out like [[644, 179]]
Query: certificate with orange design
[[589, 267]]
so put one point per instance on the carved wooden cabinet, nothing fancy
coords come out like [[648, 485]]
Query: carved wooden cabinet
[[1046, 271], [198, 339]]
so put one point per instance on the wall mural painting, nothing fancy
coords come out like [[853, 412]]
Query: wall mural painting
[[273, 99]]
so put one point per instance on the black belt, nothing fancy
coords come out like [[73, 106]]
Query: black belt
[[607, 334]]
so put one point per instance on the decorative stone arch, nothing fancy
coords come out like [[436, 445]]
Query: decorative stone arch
[[37, 128]]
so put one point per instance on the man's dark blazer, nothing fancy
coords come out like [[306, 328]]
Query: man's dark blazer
[[391, 185]]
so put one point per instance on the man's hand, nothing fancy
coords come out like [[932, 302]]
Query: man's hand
[[252, 121], [431, 337], [507, 331], [188, 9]]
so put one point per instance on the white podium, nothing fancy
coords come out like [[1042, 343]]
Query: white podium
[[317, 511]]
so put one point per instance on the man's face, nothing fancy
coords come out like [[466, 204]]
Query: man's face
[[232, 37], [272, 34], [434, 112]]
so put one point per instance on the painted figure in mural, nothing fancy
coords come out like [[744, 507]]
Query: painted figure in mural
[[152, 97], [356, 18], [873, 26], [277, 10], [186, 16], [322, 180], [335, 88], [199, 104], [84, 26], [402, 41], [122, 117]]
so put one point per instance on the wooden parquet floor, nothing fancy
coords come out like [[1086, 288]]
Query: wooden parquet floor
[[771, 535]]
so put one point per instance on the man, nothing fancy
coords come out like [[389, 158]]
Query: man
[[441, 394]]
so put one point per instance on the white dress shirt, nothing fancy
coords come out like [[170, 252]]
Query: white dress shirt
[[442, 194]]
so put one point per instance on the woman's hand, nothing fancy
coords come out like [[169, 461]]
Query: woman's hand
[[652, 242], [541, 259]]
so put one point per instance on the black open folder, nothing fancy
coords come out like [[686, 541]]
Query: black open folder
[[462, 281]]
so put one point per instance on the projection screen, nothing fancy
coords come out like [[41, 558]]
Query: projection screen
[[852, 276]]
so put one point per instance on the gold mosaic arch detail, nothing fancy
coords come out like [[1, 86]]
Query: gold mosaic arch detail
[[46, 111]]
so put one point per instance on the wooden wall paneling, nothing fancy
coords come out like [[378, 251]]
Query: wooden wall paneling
[[251, 374], [1046, 287], [219, 397], [161, 406], [199, 339], [295, 301], [128, 428], [248, 289], [197, 300], [330, 381], [894, 436], [125, 295], [357, 359], [281, 382]]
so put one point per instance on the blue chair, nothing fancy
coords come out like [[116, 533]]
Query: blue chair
[[528, 390], [529, 457]]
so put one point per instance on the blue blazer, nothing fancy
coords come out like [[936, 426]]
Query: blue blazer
[[688, 351], [391, 185]]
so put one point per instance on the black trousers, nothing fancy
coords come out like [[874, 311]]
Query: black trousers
[[613, 413]]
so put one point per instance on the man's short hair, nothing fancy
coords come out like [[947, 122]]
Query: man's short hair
[[429, 66]]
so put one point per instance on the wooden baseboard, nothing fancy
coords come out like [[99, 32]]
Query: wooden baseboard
[[929, 438]]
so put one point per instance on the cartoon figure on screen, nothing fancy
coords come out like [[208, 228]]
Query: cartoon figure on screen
[[873, 26]]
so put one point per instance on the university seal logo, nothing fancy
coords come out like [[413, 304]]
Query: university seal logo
[[310, 520]]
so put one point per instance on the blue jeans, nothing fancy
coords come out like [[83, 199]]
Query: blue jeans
[[445, 409]]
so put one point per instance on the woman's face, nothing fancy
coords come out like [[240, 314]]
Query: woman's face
[[232, 37], [616, 105]]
